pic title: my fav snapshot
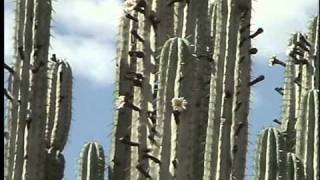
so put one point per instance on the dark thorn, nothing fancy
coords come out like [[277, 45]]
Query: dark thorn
[[6, 134], [259, 31], [152, 116], [238, 105], [129, 16], [152, 140], [279, 90], [273, 60], [253, 51], [138, 54], [241, 125], [277, 121], [258, 79], [301, 61], [125, 140], [8, 68], [134, 107], [136, 35], [303, 39], [8, 95], [143, 171], [302, 46], [228, 94], [175, 163], [146, 150], [241, 59], [154, 159], [176, 115], [234, 149], [54, 58], [21, 52]]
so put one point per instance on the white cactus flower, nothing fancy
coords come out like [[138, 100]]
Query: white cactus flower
[[272, 60], [120, 102], [179, 104]]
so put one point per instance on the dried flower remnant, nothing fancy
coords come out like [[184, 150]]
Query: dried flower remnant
[[179, 104], [120, 102]]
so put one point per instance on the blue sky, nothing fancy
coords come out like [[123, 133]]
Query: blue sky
[[84, 33]]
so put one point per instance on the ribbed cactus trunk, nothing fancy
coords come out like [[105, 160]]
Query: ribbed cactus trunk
[[182, 67], [41, 93], [92, 163], [300, 113]]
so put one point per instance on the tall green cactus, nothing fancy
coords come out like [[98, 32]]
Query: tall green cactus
[[182, 66], [41, 96], [92, 162], [300, 115]]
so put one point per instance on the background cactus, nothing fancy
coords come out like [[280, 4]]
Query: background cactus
[[92, 162], [170, 51], [300, 115], [40, 98]]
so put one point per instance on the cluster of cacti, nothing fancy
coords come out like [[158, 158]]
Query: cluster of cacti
[[291, 151], [40, 97], [92, 162], [182, 90]]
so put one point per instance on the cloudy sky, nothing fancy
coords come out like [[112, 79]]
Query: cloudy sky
[[84, 33]]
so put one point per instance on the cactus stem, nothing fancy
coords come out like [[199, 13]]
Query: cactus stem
[[258, 79], [136, 35], [143, 171], [279, 90], [277, 121], [175, 1], [8, 68], [244, 28], [238, 105], [151, 116], [301, 61]]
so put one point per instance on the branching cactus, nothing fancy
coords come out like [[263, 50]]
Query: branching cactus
[[92, 162], [182, 67], [300, 111], [40, 98]]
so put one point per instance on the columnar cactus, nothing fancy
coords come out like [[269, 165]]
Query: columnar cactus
[[92, 162], [41, 94], [182, 90], [300, 112]]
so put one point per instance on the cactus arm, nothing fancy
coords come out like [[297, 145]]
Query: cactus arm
[[178, 18], [185, 83], [316, 54], [316, 135], [208, 161], [167, 69], [240, 106], [216, 82], [120, 154], [261, 156], [13, 122], [34, 166], [236, 9], [62, 119]]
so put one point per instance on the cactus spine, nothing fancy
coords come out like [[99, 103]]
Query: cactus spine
[[300, 115], [36, 139], [91, 162], [185, 53]]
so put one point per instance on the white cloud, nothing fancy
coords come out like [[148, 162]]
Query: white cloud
[[279, 18]]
